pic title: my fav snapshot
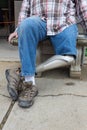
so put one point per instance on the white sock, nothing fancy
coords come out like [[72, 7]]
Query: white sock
[[30, 78]]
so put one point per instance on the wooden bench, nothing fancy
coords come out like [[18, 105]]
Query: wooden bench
[[45, 51]]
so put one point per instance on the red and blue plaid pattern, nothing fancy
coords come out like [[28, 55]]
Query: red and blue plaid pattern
[[59, 14]]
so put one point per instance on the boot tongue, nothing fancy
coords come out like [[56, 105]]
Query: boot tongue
[[27, 84]]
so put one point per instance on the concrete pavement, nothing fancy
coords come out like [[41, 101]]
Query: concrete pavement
[[8, 52], [60, 105]]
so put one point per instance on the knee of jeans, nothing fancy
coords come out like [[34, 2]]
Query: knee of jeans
[[26, 25]]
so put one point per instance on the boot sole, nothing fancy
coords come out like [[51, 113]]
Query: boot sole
[[11, 91], [25, 104]]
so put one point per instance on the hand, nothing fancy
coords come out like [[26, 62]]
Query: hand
[[12, 35]]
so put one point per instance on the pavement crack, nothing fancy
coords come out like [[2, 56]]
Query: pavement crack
[[64, 94], [6, 115], [4, 95], [46, 95]]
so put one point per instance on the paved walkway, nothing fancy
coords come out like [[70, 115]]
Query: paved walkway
[[8, 52], [60, 105]]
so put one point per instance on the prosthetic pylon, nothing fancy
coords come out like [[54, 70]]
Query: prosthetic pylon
[[55, 62]]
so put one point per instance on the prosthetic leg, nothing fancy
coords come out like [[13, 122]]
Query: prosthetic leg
[[55, 62]]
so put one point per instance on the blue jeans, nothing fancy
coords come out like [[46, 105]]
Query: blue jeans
[[31, 31]]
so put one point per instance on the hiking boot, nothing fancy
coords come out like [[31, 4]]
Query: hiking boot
[[14, 82], [26, 98]]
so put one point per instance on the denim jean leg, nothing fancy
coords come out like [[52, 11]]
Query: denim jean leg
[[30, 32], [65, 42]]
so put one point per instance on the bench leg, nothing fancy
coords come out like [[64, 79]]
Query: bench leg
[[75, 69]]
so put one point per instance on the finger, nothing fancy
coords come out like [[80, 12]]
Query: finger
[[17, 36], [11, 36]]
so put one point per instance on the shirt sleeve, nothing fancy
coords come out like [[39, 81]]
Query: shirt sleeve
[[83, 11], [71, 11], [24, 11]]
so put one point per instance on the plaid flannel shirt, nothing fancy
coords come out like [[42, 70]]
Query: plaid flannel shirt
[[81, 13], [58, 14]]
